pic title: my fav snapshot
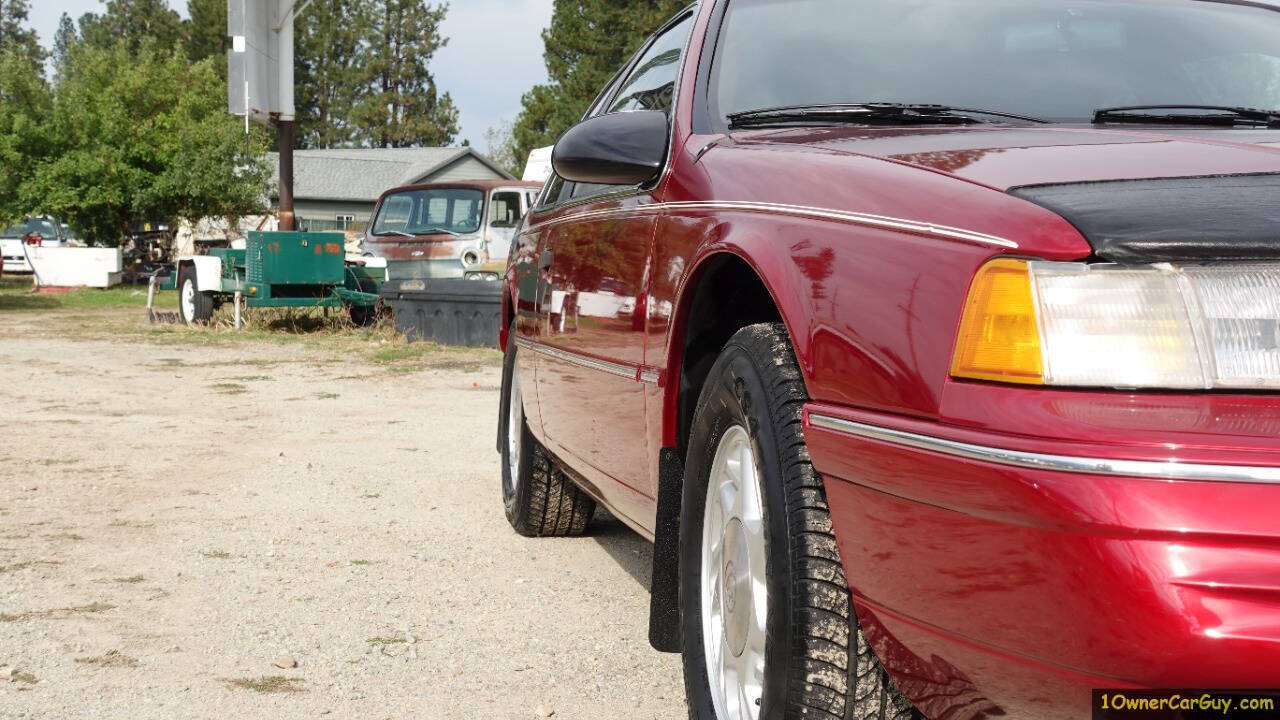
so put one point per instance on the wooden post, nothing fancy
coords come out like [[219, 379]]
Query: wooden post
[[285, 134]]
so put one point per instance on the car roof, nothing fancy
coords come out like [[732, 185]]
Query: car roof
[[483, 185]]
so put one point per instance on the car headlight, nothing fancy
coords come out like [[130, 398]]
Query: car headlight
[[1151, 326]]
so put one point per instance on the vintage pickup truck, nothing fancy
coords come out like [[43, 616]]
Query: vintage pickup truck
[[947, 379], [448, 229]]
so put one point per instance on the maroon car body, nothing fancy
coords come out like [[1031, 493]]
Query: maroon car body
[[987, 584]]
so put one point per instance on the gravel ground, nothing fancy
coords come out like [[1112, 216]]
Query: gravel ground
[[178, 519]]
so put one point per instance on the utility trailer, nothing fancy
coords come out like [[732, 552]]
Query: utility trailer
[[280, 270]]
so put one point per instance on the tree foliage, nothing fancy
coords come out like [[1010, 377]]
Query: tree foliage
[[205, 33], [133, 135], [364, 76], [330, 54], [133, 23], [15, 38], [586, 43]]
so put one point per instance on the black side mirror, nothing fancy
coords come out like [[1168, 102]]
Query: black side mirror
[[626, 148]]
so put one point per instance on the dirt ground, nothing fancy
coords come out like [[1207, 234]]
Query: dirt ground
[[179, 512]]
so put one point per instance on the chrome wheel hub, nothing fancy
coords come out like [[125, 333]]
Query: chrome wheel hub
[[734, 593], [188, 300]]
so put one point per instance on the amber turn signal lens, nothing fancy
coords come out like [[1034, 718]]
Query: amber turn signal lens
[[999, 337]]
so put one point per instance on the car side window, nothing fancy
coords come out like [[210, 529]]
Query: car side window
[[649, 86], [652, 83]]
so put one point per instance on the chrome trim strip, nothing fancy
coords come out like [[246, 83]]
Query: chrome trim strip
[[651, 377], [883, 222], [586, 362], [879, 221], [1147, 469], [524, 342]]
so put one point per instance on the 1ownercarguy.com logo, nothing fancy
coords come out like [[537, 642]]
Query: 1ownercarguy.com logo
[[1185, 704]]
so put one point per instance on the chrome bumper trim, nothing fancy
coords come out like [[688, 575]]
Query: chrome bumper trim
[[1148, 469]]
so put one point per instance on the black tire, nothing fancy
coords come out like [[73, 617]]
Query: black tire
[[817, 662], [201, 310], [540, 500], [364, 315]]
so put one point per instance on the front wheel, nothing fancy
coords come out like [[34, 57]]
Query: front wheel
[[766, 615], [196, 307]]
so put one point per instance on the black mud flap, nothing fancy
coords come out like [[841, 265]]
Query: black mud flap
[[664, 589]]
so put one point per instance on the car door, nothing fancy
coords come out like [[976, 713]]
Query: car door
[[594, 260]]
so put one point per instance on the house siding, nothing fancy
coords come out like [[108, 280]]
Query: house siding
[[464, 168]]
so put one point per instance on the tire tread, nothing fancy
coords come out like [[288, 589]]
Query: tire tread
[[822, 683]]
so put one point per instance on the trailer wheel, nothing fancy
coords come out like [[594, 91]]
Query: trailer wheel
[[364, 315], [196, 307]]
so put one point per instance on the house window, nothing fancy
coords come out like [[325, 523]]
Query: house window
[[346, 221]]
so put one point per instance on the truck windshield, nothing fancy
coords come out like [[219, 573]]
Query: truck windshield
[[1054, 59], [430, 211]]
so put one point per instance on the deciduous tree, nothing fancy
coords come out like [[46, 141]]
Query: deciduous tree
[[15, 37], [141, 135]]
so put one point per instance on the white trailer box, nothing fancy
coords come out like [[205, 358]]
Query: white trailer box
[[76, 266]]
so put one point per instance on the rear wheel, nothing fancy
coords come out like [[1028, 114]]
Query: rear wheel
[[196, 307], [767, 620], [540, 500]]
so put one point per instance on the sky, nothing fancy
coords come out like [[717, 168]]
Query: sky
[[493, 57]]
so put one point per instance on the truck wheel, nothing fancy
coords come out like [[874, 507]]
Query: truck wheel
[[196, 307], [541, 501], [766, 616]]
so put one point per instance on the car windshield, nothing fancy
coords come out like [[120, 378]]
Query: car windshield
[[434, 210], [1054, 59]]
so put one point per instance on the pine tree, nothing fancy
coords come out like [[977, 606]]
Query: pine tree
[[15, 37], [63, 40], [400, 105], [134, 23], [205, 32], [329, 57], [586, 43]]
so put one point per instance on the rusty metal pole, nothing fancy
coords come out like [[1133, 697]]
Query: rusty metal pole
[[284, 130]]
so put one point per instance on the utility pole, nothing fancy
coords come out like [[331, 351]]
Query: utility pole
[[285, 122]]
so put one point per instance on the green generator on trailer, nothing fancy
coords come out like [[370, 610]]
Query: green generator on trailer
[[278, 270]]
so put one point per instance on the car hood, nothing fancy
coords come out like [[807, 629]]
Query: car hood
[[1137, 194], [1009, 157]]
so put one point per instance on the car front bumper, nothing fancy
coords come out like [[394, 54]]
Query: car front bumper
[[997, 568]]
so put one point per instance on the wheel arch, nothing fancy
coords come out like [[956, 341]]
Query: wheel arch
[[724, 292]]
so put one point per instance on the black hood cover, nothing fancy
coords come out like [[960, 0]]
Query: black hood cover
[[1234, 217]]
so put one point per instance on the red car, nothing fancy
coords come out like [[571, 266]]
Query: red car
[[935, 343]]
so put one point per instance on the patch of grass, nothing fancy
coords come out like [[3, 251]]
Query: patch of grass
[[25, 677], [216, 554], [111, 658], [361, 562], [57, 613], [268, 684], [370, 496], [16, 294], [229, 388], [24, 565], [65, 536], [327, 396], [251, 378], [387, 640], [50, 462], [131, 580]]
